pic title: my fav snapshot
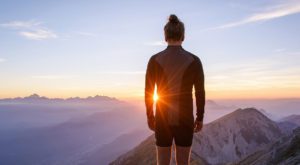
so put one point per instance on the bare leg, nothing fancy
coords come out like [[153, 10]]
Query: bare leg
[[163, 155], [183, 155]]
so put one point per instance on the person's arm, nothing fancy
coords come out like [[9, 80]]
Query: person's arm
[[149, 89], [199, 90]]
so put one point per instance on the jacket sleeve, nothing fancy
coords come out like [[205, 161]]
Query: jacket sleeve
[[149, 88], [199, 89]]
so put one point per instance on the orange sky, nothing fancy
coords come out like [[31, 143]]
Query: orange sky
[[131, 94]]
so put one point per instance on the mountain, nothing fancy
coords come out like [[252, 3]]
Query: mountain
[[36, 102], [110, 151], [289, 123], [268, 114], [37, 99], [227, 139], [287, 127], [211, 104], [70, 141], [292, 119], [144, 153], [234, 136], [284, 151], [277, 107], [40, 111]]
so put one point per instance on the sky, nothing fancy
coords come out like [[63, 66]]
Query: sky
[[249, 49]]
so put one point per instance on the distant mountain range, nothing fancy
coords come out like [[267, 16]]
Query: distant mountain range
[[100, 129], [74, 141], [48, 131], [287, 124], [35, 98], [295, 119], [227, 140], [211, 104], [36, 102]]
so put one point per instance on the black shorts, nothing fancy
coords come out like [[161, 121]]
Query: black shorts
[[182, 135]]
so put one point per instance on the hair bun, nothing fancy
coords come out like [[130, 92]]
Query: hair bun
[[173, 18]]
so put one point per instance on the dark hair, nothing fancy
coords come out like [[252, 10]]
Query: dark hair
[[174, 29]]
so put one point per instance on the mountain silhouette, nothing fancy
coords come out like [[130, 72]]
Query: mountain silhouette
[[37, 102], [227, 139], [35, 98]]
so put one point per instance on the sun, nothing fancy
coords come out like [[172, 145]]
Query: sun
[[155, 96]]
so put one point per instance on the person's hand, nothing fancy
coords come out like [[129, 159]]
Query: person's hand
[[151, 123], [198, 126]]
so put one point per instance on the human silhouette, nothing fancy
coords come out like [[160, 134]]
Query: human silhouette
[[173, 72]]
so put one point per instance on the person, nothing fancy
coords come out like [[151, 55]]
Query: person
[[172, 74]]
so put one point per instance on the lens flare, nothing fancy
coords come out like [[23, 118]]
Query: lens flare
[[155, 96]]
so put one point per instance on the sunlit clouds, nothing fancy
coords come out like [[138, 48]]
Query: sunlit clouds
[[54, 77], [38, 34], [32, 30], [21, 24], [281, 10], [262, 78]]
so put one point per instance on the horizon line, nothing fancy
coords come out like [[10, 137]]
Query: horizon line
[[142, 97]]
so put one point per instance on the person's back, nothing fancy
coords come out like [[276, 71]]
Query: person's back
[[174, 71]]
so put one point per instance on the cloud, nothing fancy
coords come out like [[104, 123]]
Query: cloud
[[54, 77], [39, 34], [87, 34], [291, 7], [279, 50], [2, 59], [256, 74], [125, 72], [156, 43], [21, 24], [31, 29]]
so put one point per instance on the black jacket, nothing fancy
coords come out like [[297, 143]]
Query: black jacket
[[175, 71]]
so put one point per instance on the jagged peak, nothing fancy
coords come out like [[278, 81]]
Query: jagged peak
[[34, 95], [248, 110], [242, 113]]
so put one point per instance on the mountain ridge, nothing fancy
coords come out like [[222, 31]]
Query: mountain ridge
[[36, 97], [286, 150], [227, 139]]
